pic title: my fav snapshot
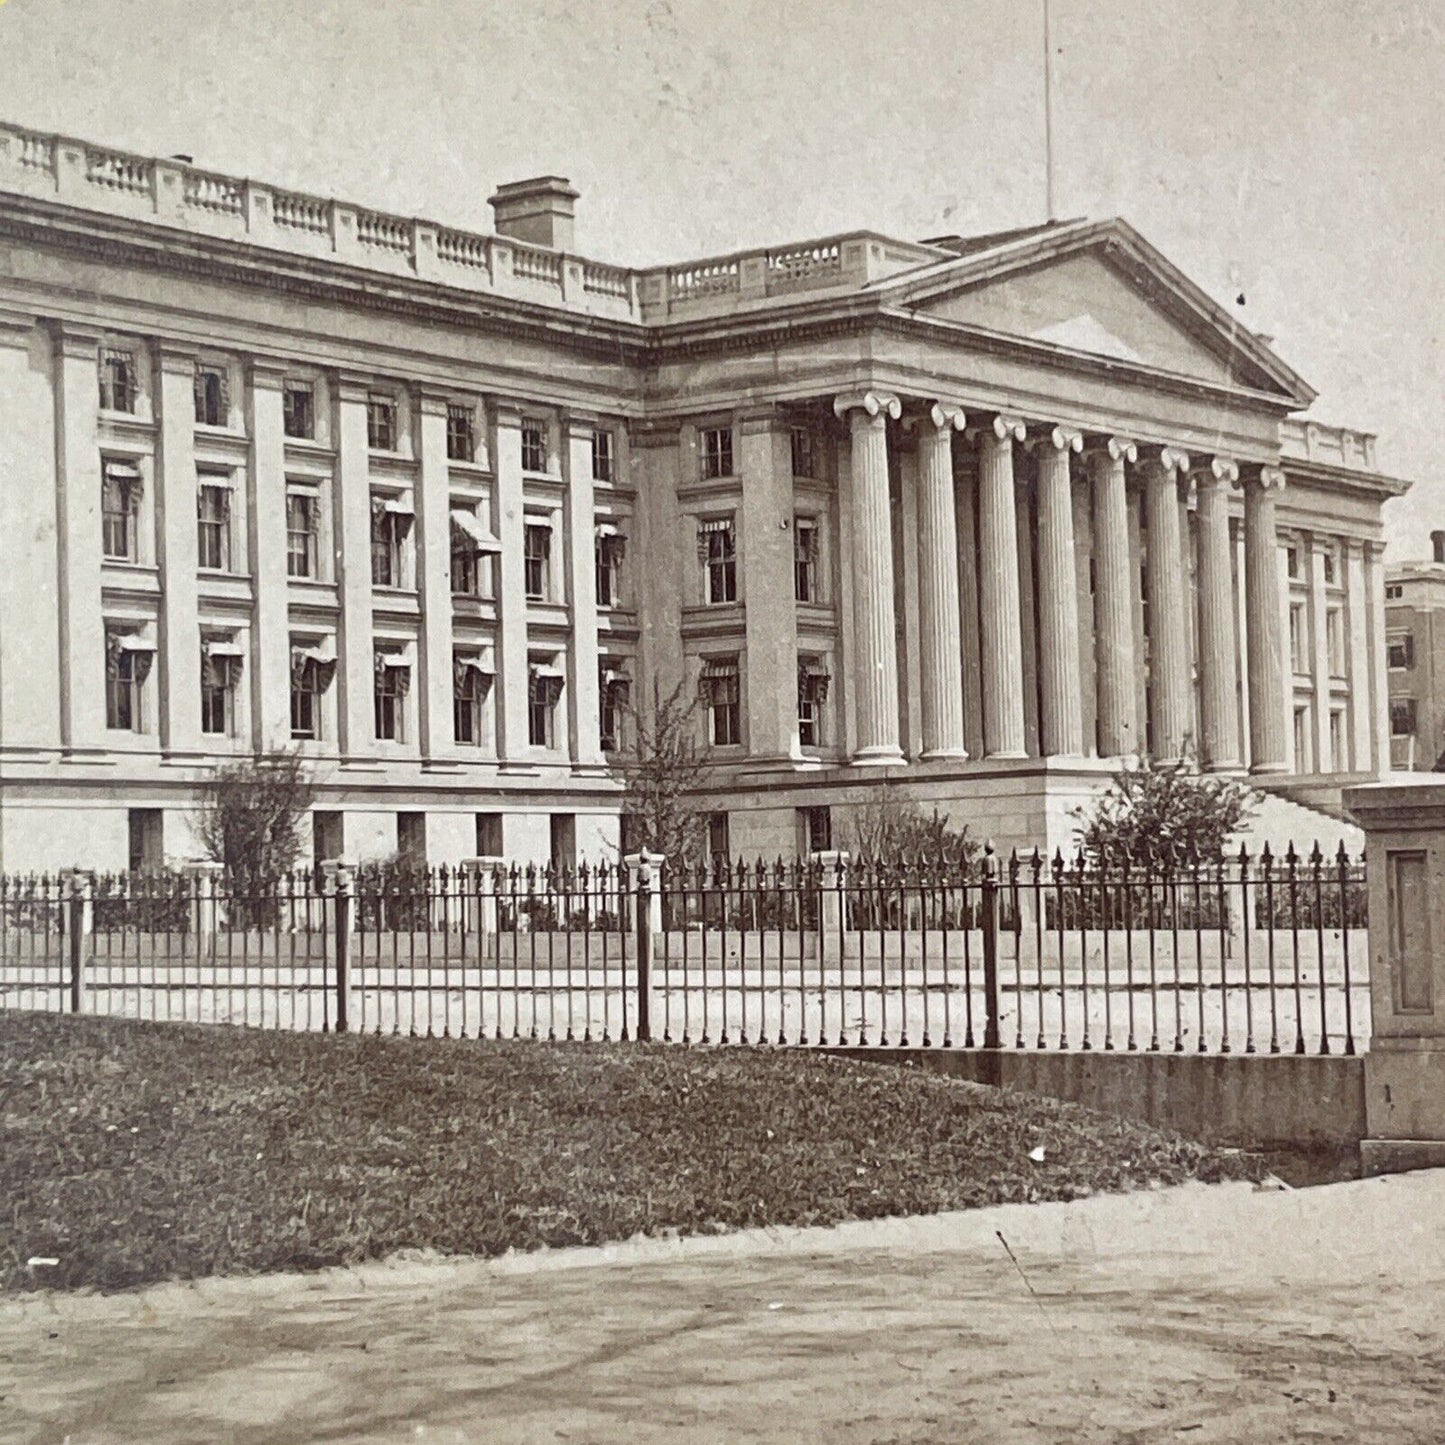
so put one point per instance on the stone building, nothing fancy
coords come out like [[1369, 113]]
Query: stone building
[[1415, 660], [975, 515]]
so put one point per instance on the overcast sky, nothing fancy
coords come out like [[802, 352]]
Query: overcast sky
[[1292, 151]]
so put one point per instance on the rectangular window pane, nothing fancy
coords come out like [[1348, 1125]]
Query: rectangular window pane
[[298, 411], [461, 439], [301, 529], [117, 379], [381, 422], [534, 446], [717, 452], [537, 556], [602, 460], [213, 539], [212, 396]]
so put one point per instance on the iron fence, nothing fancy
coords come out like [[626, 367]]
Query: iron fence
[[1248, 953]]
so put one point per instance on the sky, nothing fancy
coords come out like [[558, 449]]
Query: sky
[[1291, 152]]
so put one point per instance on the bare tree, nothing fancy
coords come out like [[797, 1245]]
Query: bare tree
[[664, 768], [890, 828], [251, 818]]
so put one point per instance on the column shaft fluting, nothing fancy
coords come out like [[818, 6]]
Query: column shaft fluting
[[1003, 698], [1063, 713], [938, 606], [1264, 644], [1167, 584], [1113, 603], [875, 669], [1219, 701]]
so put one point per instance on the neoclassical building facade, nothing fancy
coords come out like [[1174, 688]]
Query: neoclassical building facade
[[971, 517]]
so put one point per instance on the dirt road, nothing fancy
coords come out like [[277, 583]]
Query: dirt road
[[1197, 1315]]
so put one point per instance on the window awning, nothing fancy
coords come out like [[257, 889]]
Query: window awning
[[133, 642], [719, 667], [483, 661], [472, 527], [547, 672], [394, 506], [118, 471], [714, 524], [323, 651], [614, 671], [607, 529]]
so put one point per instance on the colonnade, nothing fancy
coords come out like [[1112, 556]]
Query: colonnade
[[1111, 465]]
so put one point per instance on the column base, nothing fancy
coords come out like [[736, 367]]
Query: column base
[[1007, 753], [944, 755], [878, 757], [1399, 1156], [1262, 769], [1225, 765]]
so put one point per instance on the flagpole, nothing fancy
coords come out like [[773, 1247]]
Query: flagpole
[[1048, 115]]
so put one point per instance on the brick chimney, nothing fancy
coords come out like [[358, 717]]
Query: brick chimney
[[539, 211]]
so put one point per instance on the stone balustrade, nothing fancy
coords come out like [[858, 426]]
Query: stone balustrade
[[176, 194]]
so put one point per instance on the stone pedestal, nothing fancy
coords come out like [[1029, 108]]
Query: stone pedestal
[[1405, 1067]]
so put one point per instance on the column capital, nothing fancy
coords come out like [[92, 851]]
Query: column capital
[[268, 373], [1006, 428], [871, 402], [1116, 449], [1265, 478], [352, 386], [945, 416], [1062, 439], [175, 356], [432, 401], [75, 342], [1170, 458], [1217, 470]]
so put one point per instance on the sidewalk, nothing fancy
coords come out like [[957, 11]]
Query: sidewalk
[[1197, 1314]]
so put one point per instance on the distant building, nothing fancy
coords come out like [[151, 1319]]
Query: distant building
[[1415, 658], [979, 516]]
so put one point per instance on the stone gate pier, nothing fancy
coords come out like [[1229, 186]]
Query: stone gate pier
[[1404, 824]]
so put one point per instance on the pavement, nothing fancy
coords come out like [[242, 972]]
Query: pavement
[[1226, 1313]]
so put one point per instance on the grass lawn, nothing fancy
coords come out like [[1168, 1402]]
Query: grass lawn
[[138, 1152]]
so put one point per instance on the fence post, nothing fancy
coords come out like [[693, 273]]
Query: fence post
[[80, 923], [203, 875], [1236, 902], [832, 915], [481, 876], [990, 947], [645, 874], [338, 876]]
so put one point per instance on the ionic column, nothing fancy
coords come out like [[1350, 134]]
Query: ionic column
[[1113, 600], [939, 627], [1219, 702], [1003, 696], [1166, 580], [1062, 731], [875, 670], [1264, 643]]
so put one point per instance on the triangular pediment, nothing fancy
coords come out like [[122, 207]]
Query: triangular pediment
[[1101, 291]]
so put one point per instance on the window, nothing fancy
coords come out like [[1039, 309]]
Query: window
[[603, 457], [1331, 566], [1297, 637], [465, 566], [144, 838], [719, 692], [1402, 717], [805, 559], [717, 452], [1291, 561], [390, 525], [489, 835], [127, 665], [1338, 757], [717, 551], [213, 395], [544, 689], [614, 691], [562, 830], [534, 445], [461, 432], [298, 410], [213, 525], [392, 679], [119, 504], [1335, 639], [220, 673], [311, 669], [813, 683], [537, 560], [117, 379], [718, 842], [302, 526], [610, 545], [1400, 649], [804, 457], [472, 547], [817, 829], [1302, 740], [1394, 592], [411, 837], [469, 691], [381, 422]]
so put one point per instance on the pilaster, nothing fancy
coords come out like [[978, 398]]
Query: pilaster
[[434, 582], [512, 681], [270, 669], [353, 573], [1379, 678], [584, 707]]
